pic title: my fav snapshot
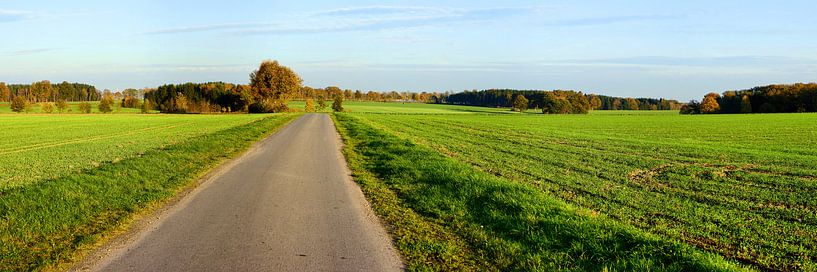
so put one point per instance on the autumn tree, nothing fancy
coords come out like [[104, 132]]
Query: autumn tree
[[321, 103], [310, 105], [62, 105], [41, 90], [147, 106], [520, 104], [19, 104], [47, 107], [274, 84], [632, 103], [337, 105], [745, 105], [5, 93], [710, 103], [84, 107], [595, 102], [106, 102]]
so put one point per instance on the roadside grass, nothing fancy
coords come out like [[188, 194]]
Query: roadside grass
[[42, 224], [446, 215]]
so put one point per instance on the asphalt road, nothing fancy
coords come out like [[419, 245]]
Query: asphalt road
[[287, 205]]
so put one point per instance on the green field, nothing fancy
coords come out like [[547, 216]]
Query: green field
[[68, 180], [740, 186], [73, 108]]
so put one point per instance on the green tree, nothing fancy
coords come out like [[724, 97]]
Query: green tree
[[19, 104], [745, 105], [520, 104], [275, 83], [337, 105], [62, 105]]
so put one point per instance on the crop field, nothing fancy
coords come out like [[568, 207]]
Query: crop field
[[70, 180], [39, 147], [740, 186]]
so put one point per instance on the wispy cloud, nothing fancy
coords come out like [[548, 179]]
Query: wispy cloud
[[32, 51], [366, 18], [7, 16], [609, 20]]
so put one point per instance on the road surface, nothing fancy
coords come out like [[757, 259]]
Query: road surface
[[287, 205]]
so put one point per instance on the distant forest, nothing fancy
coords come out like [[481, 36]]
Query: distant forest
[[44, 91], [558, 101], [800, 97]]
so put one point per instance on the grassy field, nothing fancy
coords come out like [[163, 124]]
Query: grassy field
[[740, 186], [73, 108], [396, 107], [36, 148], [90, 173]]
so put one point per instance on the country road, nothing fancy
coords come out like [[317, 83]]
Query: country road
[[287, 205]]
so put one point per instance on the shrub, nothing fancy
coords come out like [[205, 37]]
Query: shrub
[[19, 104], [47, 107], [62, 105], [84, 107], [310, 105], [337, 105], [147, 106]]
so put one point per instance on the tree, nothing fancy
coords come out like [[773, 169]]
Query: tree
[[19, 104], [310, 105], [147, 106], [275, 83], [337, 105], [41, 90], [632, 103], [106, 102], [321, 103], [62, 105], [47, 107], [745, 105], [520, 104], [84, 107], [693, 107], [710, 104], [5, 93], [595, 102]]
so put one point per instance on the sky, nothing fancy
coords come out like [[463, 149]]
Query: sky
[[672, 49]]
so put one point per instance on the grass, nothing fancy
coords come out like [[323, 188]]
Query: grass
[[398, 107], [740, 186], [73, 108], [446, 215], [35, 148], [44, 222]]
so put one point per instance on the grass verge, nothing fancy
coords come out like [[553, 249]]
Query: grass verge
[[445, 215], [43, 224]]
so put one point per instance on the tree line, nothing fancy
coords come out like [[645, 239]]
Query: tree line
[[557, 101], [45, 91], [779, 98]]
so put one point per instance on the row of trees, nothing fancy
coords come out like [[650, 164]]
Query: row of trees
[[45, 91], [557, 101], [800, 97]]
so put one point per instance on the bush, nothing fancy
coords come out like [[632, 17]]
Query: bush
[[337, 105], [84, 107], [62, 105], [310, 105], [19, 104], [147, 106], [105, 105], [47, 107], [268, 106]]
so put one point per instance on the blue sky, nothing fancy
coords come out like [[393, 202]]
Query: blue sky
[[678, 49]]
